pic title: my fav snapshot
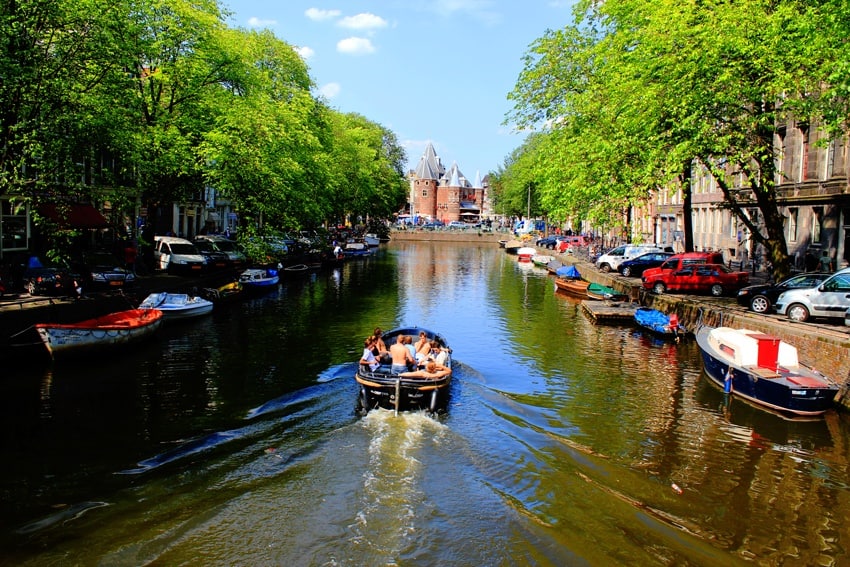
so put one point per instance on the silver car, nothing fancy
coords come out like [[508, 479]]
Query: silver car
[[829, 299]]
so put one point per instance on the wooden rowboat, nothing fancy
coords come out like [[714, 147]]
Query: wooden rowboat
[[100, 333]]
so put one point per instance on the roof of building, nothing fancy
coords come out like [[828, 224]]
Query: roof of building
[[430, 166], [454, 178]]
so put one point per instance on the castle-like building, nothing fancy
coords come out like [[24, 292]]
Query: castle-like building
[[445, 194]]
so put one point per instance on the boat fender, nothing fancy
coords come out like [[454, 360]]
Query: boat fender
[[727, 383]]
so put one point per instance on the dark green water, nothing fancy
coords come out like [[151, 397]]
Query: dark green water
[[232, 440]]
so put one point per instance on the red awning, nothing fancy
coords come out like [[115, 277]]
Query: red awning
[[74, 215]]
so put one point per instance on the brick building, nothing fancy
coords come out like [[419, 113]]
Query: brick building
[[444, 194]]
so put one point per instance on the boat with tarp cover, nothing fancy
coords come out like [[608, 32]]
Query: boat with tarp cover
[[380, 388], [114, 329], [764, 370]]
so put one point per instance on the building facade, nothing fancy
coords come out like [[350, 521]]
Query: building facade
[[437, 193]]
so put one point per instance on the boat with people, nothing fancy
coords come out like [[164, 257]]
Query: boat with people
[[175, 306], [413, 390], [99, 333], [259, 279], [765, 371], [659, 323]]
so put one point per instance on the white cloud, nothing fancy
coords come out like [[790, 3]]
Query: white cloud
[[258, 23], [363, 21], [305, 52], [355, 46], [330, 90], [320, 15]]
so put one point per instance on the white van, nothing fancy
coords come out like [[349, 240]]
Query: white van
[[177, 255], [612, 259]]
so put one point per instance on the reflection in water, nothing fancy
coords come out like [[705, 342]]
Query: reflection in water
[[565, 442]]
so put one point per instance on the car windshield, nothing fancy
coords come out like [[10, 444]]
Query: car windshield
[[178, 248], [204, 246], [226, 246]]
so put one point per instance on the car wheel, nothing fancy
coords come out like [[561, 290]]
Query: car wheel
[[760, 304], [627, 271], [716, 290], [659, 288], [798, 312], [605, 268]]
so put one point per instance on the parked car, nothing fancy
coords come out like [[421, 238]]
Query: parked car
[[679, 261], [761, 298], [177, 255], [549, 242], [715, 279], [51, 278], [612, 259], [431, 225], [235, 255], [830, 299], [457, 224], [100, 270], [636, 266], [215, 259]]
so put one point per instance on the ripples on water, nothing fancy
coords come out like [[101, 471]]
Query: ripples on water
[[232, 440]]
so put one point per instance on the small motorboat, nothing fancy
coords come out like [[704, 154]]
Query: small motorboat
[[569, 281], [371, 239], [296, 269], [598, 291], [765, 371], [175, 306], [100, 333], [525, 253], [259, 279], [659, 323], [512, 246], [356, 249], [227, 293], [541, 260], [381, 388]]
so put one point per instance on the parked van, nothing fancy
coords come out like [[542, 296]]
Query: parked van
[[679, 261], [177, 255], [611, 260]]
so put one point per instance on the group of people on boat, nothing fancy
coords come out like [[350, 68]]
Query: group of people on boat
[[422, 359]]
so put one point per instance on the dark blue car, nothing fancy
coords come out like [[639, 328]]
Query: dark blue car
[[637, 265]]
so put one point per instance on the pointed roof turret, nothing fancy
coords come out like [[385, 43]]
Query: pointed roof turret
[[477, 184], [429, 164]]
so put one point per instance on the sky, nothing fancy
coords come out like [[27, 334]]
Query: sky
[[434, 71]]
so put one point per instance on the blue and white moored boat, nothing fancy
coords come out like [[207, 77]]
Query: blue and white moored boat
[[177, 305], [254, 279], [764, 370]]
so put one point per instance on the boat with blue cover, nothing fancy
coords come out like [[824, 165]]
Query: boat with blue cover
[[659, 323]]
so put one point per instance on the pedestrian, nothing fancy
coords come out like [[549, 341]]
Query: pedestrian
[[130, 256]]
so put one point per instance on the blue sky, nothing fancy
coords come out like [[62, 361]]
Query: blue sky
[[429, 70]]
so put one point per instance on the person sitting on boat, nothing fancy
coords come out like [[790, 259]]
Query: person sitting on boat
[[438, 353], [402, 360], [380, 348], [423, 348], [432, 371], [408, 343], [368, 358]]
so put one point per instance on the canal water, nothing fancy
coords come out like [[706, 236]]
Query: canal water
[[232, 440]]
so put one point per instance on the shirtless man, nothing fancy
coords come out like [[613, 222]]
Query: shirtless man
[[423, 348], [401, 356], [432, 371]]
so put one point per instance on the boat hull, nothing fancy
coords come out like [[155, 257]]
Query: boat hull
[[800, 392], [382, 389], [178, 306], [658, 324], [574, 288], [101, 333]]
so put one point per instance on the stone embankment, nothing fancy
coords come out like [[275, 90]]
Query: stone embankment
[[824, 345]]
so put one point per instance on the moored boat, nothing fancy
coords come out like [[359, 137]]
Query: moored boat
[[659, 323], [541, 260], [259, 279], [381, 388], [599, 292], [356, 249], [764, 370], [525, 253], [114, 329], [226, 293], [371, 239], [511, 246], [569, 281], [176, 306]]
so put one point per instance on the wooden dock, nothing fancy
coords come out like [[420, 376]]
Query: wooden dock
[[610, 311]]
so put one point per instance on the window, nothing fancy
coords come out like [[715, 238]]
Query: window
[[816, 228], [424, 192], [792, 224], [13, 226]]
